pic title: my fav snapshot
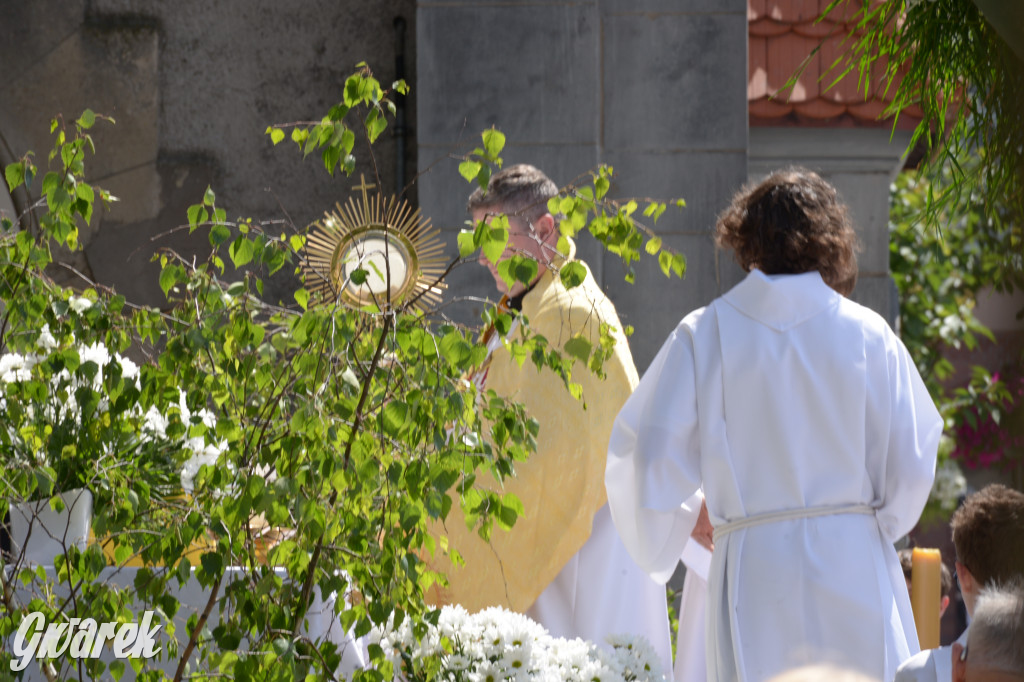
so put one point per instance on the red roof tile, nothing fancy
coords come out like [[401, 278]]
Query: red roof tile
[[783, 35]]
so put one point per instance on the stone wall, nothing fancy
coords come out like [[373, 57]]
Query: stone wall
[[193, 85], [655, 88]]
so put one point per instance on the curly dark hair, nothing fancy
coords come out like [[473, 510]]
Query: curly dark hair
[[988, 533], [792, 222]]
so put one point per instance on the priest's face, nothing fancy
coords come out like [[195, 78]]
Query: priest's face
[[525, 238]]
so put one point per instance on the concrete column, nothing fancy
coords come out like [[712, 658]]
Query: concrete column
[[656, 88], [674, 125]]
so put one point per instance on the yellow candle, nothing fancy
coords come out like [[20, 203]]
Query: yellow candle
[[926, 595]]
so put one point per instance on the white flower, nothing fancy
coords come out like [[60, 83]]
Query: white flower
[[16, 367], [97, 353], [514, 660], [949, 484], [495, 645], [202, 454], [485, 671], [154, 424], [129, 370], [208, 418], [186, 414], [79, 304], [46, 341]]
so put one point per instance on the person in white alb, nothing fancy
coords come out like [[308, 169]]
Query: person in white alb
[[803, 417], [988, 534]]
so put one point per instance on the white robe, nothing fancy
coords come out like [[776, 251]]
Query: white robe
[[782, 395], [602, 592], [691, 641], [932, 665]]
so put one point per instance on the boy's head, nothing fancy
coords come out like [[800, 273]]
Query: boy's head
[[988, 533]]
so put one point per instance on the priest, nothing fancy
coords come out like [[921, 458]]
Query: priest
[[562, 563]]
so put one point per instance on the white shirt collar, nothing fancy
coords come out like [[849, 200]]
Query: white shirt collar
[[782, 301]]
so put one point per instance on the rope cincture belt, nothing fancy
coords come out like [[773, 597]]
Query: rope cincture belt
[[788, 515]]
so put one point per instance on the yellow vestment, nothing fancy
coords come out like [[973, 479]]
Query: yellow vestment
[[561, 486]]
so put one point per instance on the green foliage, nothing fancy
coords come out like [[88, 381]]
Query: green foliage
[[477, 164], [316, 442], [943, 57], [939, 276], [349, 430], [580, 207], [333, 136]]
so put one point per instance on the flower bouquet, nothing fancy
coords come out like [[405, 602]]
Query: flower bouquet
[[496, 645]]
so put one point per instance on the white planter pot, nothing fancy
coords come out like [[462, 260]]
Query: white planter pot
[[38, 533]]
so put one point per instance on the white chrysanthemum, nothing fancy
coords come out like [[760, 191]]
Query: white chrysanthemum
[[202, 454], [208, 418], [427, 647], [458, 662], [16, 367], [485, 671], [514, 660], [129, 370], [497, 645], [154, 423], [79, 304], [453, 619], [46, 341], [186, 414], [97, 353], [620, 641]]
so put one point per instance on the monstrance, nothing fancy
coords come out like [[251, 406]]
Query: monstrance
[[374, 253]]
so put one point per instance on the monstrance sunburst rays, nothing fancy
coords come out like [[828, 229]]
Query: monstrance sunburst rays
[[389, 241]]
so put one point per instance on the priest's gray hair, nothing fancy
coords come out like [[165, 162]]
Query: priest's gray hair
[[521, 191], [996, 636]]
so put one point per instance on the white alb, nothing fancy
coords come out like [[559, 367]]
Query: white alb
[[782, 395]]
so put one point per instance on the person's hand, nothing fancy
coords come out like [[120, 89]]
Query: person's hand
[[703, 531]]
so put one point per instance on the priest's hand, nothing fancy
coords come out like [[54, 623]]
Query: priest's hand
[[702, 532]]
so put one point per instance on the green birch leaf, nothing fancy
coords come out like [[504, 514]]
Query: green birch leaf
[[15, 174], [87, 119], [494, 241], [572, 274], [665, 262], [276, 135], [241, 251], [455, 349], [467, 244], [302, 298], [218, 233], [494, 142], [469, 169], [578, 347]]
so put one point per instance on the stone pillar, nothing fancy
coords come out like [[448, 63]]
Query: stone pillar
[[674, 124], [656, 88], [861, 163]]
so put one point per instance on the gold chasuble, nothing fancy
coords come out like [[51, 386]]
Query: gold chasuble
[[561, 485]]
